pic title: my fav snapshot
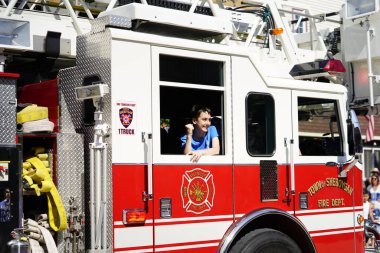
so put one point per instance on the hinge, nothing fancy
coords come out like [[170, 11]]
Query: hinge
[[287, 200], [143, 137], [146, 196]]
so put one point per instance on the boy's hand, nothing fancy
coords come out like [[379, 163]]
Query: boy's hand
[[195, 156], [189, 129]]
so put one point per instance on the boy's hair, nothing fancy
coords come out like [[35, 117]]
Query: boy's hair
[[365, 191], [198, 109]]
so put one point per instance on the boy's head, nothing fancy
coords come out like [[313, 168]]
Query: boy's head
[[197, 110], [365, 195], [201, 118]]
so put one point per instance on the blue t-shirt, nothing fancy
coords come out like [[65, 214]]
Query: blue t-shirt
[[205, 143]]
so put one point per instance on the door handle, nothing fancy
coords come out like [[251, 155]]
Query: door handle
[[149, 146]]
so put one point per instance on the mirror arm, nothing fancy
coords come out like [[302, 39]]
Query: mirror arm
[[343, 173]]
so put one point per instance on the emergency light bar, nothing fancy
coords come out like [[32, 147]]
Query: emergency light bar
[[91, 91], [321, 68]]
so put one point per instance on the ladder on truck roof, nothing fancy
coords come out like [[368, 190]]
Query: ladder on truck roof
[[252, 23], [94, 7]]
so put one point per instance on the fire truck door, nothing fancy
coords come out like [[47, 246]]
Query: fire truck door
[[192, 200], [323, 201], [261, 131], [260, 153], [131, 117]]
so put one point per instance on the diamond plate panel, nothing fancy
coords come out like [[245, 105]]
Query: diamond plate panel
[[99, 24], [70, 174], [93, 58], [65, 121], [269, 180], [71, 109], [7, 110]]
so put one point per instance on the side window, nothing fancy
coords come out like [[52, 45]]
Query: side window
[[260, 124], [319, 127], [190, 70], [185, 82]]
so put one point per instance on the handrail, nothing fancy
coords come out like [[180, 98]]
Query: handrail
[[73, 16]]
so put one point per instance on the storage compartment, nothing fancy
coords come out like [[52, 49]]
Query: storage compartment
[[11, 204], [42, 94]]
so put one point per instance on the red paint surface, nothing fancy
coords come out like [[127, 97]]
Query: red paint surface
[[129, 181]]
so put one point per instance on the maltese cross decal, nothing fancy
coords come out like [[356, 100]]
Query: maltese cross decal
[[197, 191]]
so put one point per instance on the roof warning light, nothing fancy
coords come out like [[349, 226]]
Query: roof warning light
[[319, 68]]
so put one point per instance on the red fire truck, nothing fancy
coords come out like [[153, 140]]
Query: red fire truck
[[286, 178]]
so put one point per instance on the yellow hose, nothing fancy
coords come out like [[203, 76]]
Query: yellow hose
[[44, 183]]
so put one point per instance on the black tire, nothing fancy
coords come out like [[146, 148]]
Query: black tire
[[265, 241]]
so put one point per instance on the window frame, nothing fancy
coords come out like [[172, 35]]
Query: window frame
[[159, 158], [340, 107], [274, 124]]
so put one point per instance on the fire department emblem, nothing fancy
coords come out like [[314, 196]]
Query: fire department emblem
[[197, 191], [126, 116]]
